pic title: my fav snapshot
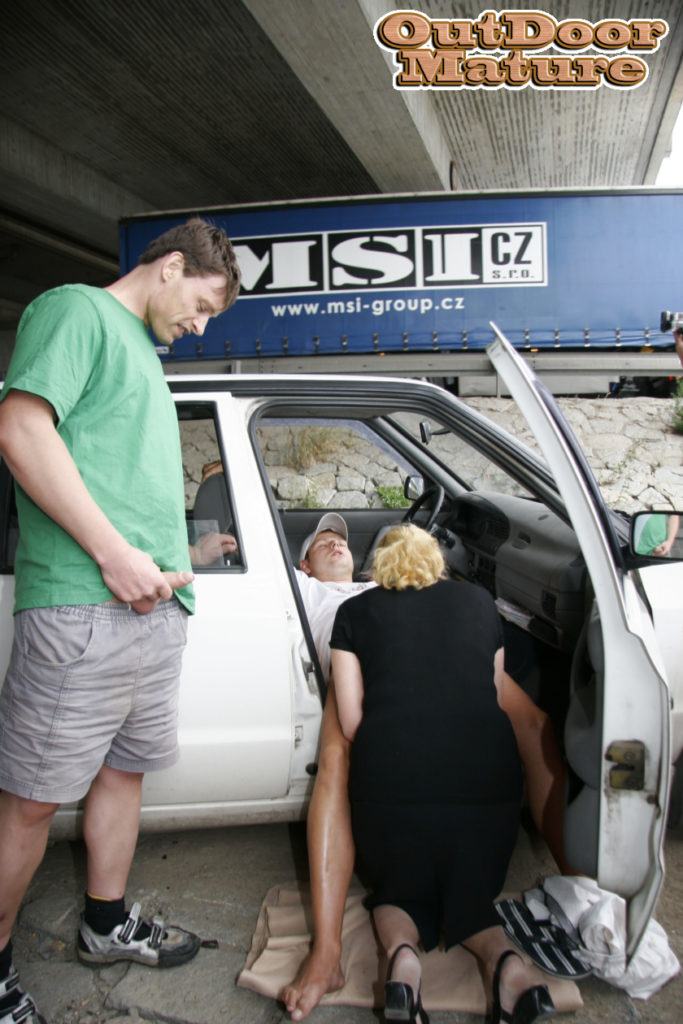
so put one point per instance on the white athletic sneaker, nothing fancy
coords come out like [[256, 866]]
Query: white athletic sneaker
[[163, 947], [23, 1012]]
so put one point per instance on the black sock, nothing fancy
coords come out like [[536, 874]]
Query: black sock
[[5, 960], [15, 996], [103, 915]]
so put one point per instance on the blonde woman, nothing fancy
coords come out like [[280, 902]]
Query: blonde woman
[[435, 781]]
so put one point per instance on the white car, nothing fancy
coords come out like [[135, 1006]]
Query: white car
[[592, 629]]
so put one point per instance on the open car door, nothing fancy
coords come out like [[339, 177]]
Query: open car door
[[617, 731]]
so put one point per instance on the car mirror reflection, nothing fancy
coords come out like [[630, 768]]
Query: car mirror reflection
[[413, 487], [657, 534]]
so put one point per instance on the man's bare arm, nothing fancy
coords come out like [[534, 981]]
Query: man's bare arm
[[42, 465]]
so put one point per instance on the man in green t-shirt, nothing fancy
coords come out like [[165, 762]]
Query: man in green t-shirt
[[103, 582]]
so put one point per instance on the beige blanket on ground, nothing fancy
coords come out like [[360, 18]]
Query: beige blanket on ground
[[450, 981]]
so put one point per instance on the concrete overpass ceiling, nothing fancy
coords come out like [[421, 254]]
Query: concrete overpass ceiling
[[497, 138], [113, 109], [540, 138], [178, 104], [110, 109]]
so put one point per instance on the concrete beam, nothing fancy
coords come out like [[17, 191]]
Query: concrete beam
[[396, 135], [24, 232], [662, 143], [53, 188], [665, 109]]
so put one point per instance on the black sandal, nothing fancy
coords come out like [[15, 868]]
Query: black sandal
[[534, 1004], [399, 1002]]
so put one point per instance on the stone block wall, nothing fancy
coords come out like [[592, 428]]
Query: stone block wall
[[308, 468], [637, 459]]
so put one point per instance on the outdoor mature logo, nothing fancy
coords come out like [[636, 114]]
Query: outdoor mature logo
[[515, 49]]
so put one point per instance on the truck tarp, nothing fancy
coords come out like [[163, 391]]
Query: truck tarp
[[428, 272]]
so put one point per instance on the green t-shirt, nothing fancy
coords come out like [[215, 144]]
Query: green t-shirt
[[651, 531], [94, 362]]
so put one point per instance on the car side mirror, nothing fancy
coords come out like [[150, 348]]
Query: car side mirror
[[413, 487], [657, 534], [425, 431]]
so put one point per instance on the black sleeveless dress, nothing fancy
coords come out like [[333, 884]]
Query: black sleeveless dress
[[436, 779]]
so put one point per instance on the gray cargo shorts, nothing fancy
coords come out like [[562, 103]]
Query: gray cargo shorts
[[89, 685]]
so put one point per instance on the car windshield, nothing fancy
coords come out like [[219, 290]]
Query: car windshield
[[345, 463], [469, 465]]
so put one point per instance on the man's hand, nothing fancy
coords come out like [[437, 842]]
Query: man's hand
[[133, 578], [175, 581], [212, 546]]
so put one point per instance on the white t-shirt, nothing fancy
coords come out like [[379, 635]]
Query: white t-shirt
[[321, 601]]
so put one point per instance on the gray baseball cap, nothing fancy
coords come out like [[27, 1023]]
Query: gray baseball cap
[[330, 521]]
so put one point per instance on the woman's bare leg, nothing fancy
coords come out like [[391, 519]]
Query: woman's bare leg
[[516, 977], [396, 928]]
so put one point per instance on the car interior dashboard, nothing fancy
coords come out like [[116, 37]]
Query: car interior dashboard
[[524, 555]]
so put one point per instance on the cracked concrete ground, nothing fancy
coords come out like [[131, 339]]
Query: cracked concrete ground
[[213, 882]]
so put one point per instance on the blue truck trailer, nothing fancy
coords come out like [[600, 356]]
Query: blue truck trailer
[[409, 283]]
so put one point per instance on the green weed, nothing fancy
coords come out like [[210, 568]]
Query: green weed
[[312, 499], [392, 496]]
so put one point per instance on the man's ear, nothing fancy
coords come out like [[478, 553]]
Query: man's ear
[[305, 567], [173, 265]]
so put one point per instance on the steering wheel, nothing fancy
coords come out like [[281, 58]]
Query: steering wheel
[[433, 499]]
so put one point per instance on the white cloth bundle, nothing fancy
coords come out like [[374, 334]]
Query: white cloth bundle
[[598, 920]]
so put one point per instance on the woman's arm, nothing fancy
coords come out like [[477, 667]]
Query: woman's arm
[[348, 688]]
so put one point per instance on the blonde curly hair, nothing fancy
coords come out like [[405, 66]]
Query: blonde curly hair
[[407, 557]]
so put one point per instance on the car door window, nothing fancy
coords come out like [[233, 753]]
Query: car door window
[[469, 464], [209, 507], [330, 463]]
